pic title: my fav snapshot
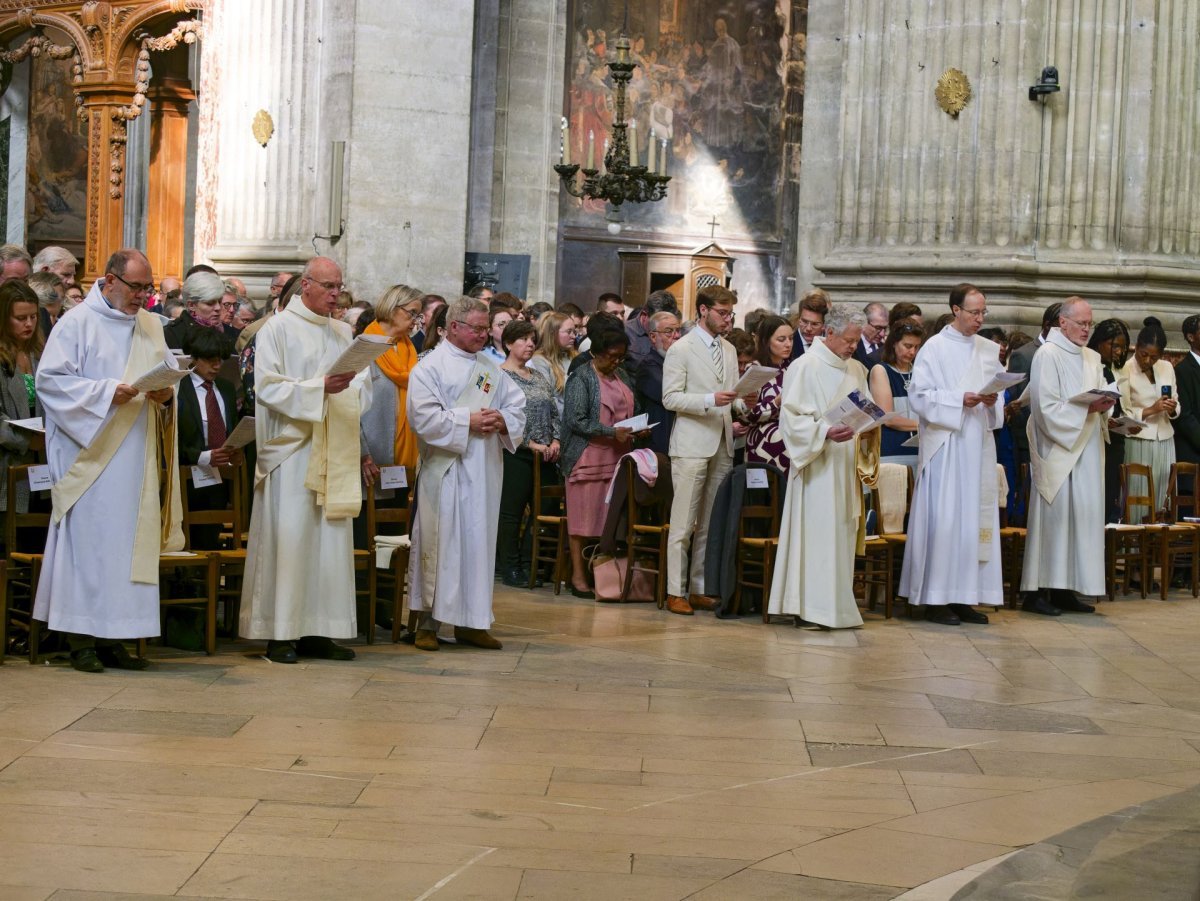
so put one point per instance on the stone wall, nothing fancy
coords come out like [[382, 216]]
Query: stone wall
[[1087, 192]]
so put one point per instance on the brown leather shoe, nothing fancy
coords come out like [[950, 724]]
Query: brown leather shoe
[[426, 640], [678, 605], [703, 602], [479, 638]]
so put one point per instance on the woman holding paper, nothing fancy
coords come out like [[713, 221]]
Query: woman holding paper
[[1148, 392], [598, 396], [384, 434], [21, 345], [889, 389], [1110, 339], [764, 444]]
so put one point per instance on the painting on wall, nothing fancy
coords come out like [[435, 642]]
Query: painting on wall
[[709, 87], [56, 182]]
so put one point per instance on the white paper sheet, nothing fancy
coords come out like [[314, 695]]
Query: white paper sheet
[[755, 377], [164, 375], [859, 413], [1085, 398], [757, 478], [39, 478], [205, 476], [242, 434], [360, 354], [36, 424], [392, 477], [637, 423], [1002, 381], [1125, 425]]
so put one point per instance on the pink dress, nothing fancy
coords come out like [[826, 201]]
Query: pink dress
[[588, 483]]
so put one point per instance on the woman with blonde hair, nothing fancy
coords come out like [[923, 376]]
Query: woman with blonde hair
[[385, 436], [555, 350]]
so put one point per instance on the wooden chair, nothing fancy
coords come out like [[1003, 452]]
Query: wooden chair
[[231, 520], [1177, 539], [1126, 544], [758, 537], [887, 517], [1012, 537], [646, 527], [394, 577], [24, 543], [549, 524]]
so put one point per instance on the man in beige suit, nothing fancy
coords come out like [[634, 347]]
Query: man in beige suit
[[699, 373]]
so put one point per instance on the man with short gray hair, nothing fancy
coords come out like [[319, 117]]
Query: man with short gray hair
[[814, 572], [15, 262], [870, 346], [58, 260], [637, 326]]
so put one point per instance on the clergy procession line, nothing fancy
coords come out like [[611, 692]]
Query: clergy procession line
[[487, 400]]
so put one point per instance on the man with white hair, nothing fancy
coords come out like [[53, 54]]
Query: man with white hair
[[15, 262], [814, 572], [58, 260], [298, 592], [1065, 551], [952, 556], [50, 292], [202, 292]]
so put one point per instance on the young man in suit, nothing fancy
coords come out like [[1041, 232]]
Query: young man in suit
[[1187, 376], [869, 349], [699, 373], [207, 415]]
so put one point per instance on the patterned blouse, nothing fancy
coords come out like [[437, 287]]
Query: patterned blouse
[[541, 410], [764, 444]]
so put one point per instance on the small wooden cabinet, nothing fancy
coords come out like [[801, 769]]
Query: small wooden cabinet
[[682, 272]]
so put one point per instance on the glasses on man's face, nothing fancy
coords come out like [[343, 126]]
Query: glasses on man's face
[[724, 314], [1086, 324], [980, 313], [328, 287], [476, 329], [229, 306], [135, 287], [675, 332]]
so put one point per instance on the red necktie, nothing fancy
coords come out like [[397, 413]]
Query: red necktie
[[216, 422]]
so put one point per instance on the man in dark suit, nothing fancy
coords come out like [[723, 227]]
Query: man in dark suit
[[1187, 377], [814, 306], [1022, 361], [663, 330], [207, 415], [869, 350]]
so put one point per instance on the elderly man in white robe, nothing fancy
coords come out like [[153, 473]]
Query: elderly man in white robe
[[952, 555], [465, 413], [104, 443], [814, 572], [298, 591], [1064, 554]]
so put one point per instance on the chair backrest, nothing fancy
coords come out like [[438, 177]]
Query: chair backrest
[[1131, 471], [762, 507], [23, 531], [1181, 502], [230, 517], [891, 505], [393, 513], [656, 513], [546, 491]]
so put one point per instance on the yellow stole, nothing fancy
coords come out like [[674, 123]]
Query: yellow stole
[[160, 511]]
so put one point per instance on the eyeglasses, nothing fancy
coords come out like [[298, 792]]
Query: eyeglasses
[[724, 314], [477, 329], [1086, 326], [981, 313], [135, 288], [229, 306], [330, 287], [411, 314], [669, 331]]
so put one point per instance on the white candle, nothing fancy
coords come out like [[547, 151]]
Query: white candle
[[591, 149], [633, 142], [650, 151], [662, 160], [565, 150]]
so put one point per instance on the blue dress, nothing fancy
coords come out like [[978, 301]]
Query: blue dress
[[891, 439]]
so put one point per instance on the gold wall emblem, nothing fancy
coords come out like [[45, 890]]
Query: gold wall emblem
[[953, 91], [263, 127]]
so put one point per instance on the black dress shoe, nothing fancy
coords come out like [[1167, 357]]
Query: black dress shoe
[[969, 614], [321, 648], [86, 661], [942, 615], [586, 595], [514, 578], [115, 655], [1067, 602], [1038, 604], [281, 652]]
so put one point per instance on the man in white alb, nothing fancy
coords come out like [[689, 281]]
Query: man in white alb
[[298, 593], [952, 556], [1064, 553], [466, 413], [106, 444]]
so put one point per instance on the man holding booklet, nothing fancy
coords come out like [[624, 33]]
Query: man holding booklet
[[107, 441], [298, 592], [1068, 406]]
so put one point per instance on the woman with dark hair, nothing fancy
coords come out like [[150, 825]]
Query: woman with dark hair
[[773, 348], [888, 381], [1110, 339], [435, 331], [1147, 385], [598, 395], [499, 316], [21, 344], [540, 437]]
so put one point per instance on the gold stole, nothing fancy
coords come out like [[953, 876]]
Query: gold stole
[[160, 511], [479, 393], [1051, 471], [333, 458]]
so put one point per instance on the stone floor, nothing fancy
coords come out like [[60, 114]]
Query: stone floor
[[607, 752]]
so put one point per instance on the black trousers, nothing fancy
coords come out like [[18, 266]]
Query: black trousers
[[516, 497]]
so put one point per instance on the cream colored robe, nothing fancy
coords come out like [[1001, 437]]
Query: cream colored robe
[[299, 564], [1065, 546], [814, 570]]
